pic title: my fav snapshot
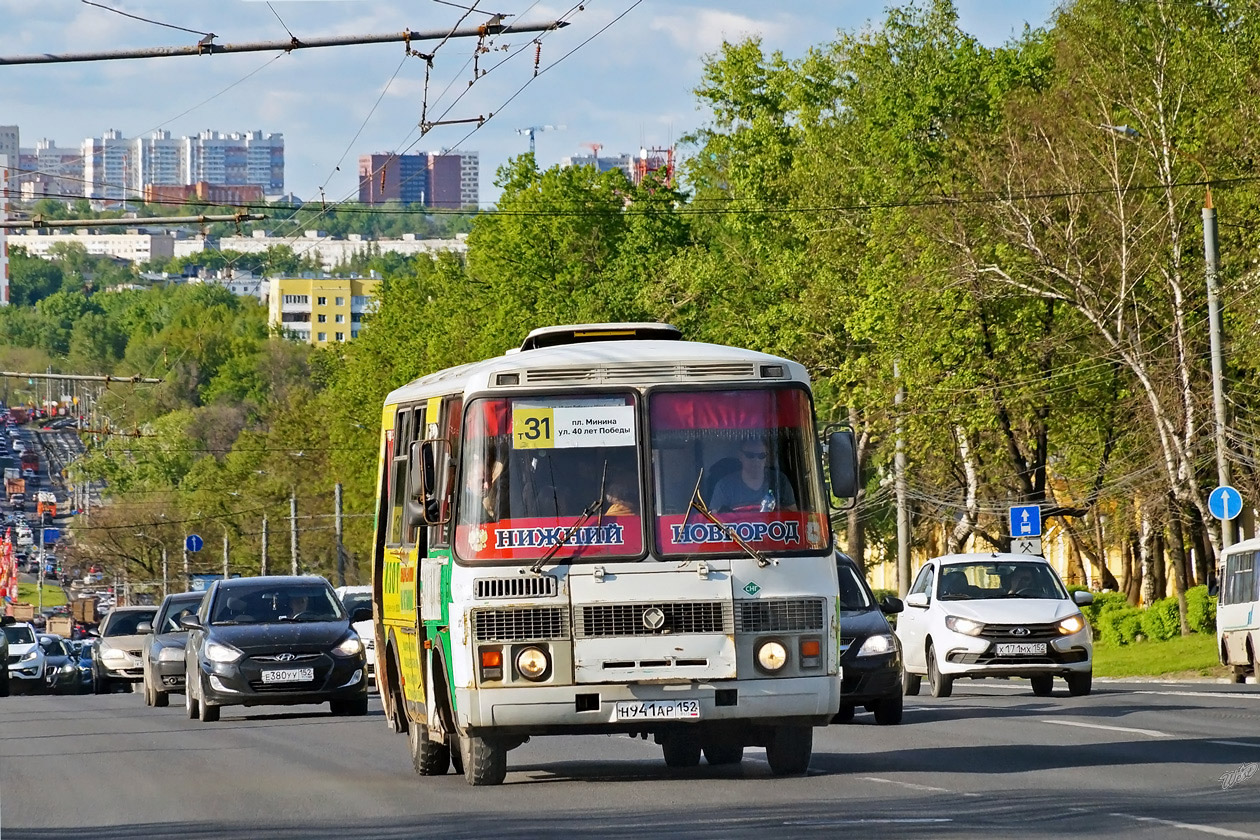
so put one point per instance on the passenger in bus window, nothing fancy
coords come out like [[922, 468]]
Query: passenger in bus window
[[621, 497], [755, 486]]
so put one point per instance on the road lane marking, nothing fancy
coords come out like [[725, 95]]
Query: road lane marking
[[912, 785], [1236, 744], [1153, 733], [1202, 829], [1228, 695], [871, 821]]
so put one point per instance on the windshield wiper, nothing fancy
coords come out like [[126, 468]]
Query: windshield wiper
[[699, 505], [595, 507]]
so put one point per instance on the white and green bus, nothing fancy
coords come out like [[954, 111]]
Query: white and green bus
[[609, 530], [1238, 609]]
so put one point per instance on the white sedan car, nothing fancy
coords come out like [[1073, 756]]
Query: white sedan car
[[994, 615]]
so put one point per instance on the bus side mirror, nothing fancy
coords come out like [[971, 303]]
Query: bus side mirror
[[422, 505], [842, 464]]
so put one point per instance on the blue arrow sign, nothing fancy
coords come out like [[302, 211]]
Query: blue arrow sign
[[1025, 521], [1225, 502], [192, 542]]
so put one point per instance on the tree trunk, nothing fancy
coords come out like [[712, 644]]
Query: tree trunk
[[1202, 563], [957, 537], [855, 533], [1176, 542], [1131, 584], [1146, 588], [1159, 565]]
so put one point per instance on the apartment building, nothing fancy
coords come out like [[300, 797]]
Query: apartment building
[[136, 247], [320, 310]]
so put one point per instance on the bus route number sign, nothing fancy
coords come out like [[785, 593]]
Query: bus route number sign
[[572, 427]]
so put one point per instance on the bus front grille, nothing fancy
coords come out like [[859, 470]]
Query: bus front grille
[[659, 619], [534, 586], [525, 623], [779, 616]]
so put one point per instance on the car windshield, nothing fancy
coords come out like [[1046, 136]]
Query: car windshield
[[125, 623], [989, 581], [853, 592], [53, 647], [356, 600], [752, 456], [172, 611], [19, 635], [275, 604], [540, 471]]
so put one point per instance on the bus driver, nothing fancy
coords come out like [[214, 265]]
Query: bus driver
[[754, 486]]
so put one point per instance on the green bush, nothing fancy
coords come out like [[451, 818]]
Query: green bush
[[1103, 602], [1200, 610], [1120, 626], [1161, 621]]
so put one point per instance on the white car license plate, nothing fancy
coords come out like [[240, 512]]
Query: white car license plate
[[1025, 649], [658, 709], [285, 675]]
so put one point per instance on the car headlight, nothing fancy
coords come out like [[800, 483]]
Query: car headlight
[[349, 646], [964, 625], [170, 654], [1072, 624], [772, 656], [67, 668], [877, 644], [113, 654], [532, 663], [30, 656], [217, 652]]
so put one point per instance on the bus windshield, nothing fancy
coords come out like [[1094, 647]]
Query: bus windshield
[[751, 454], [541, 470]]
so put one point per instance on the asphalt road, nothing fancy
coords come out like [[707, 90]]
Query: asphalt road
[[1135, 760]]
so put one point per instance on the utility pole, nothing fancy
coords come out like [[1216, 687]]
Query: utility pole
[[187, 576], [293, 539], [1211, 264], [225, 554], [165, 577], [341, 549], [899, 473], [262, 567]]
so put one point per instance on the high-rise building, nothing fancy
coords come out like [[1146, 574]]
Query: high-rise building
[[4, 216], [469, 178], [9, 145], [235, 159], [402, 178], [603, 163], [158, 159], [106, 161], [445, 181]]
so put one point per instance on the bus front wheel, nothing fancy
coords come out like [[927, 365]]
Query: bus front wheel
[[790, 750], [485, 761]]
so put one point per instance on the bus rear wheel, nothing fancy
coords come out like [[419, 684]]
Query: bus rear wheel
[[428, 757]]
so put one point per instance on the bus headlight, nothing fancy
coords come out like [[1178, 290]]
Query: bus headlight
[[772, 656], [532, 663]]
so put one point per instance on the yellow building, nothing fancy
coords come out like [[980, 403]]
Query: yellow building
[[319, 310]]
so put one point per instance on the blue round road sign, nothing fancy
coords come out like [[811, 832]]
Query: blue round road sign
[[193, 542], [1225, 502]]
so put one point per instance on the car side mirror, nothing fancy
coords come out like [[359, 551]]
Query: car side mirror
[[190, 622], [94, 633], [842, 464], [891, 605], [361, 614], [144, 628], [1082, 598], [917, 599]]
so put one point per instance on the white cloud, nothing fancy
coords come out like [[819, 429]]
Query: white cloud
[[702, 31]]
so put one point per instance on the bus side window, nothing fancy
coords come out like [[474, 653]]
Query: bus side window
[[414, 532], [398, 476], [451, 422]]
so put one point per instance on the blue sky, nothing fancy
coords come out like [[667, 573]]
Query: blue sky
[[629, 86]]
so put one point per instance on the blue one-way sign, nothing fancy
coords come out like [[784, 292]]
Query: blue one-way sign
[[1225, 502], [1026, 521], [193, 542]]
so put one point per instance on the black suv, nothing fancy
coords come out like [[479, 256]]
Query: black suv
[[870, 653], [273, 641]]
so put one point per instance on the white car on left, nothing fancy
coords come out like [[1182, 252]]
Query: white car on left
[[26, 658]]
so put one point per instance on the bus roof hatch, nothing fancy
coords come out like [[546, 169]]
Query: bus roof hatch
[[582, 333]]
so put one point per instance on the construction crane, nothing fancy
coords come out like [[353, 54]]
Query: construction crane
[[531, 130]]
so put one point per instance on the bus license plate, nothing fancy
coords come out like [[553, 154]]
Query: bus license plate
[[287, 675], [1025, 649], [658, 709]]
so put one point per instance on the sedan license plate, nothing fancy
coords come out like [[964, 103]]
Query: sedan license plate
[[285, 675], [1024, 649], [658, 710]]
